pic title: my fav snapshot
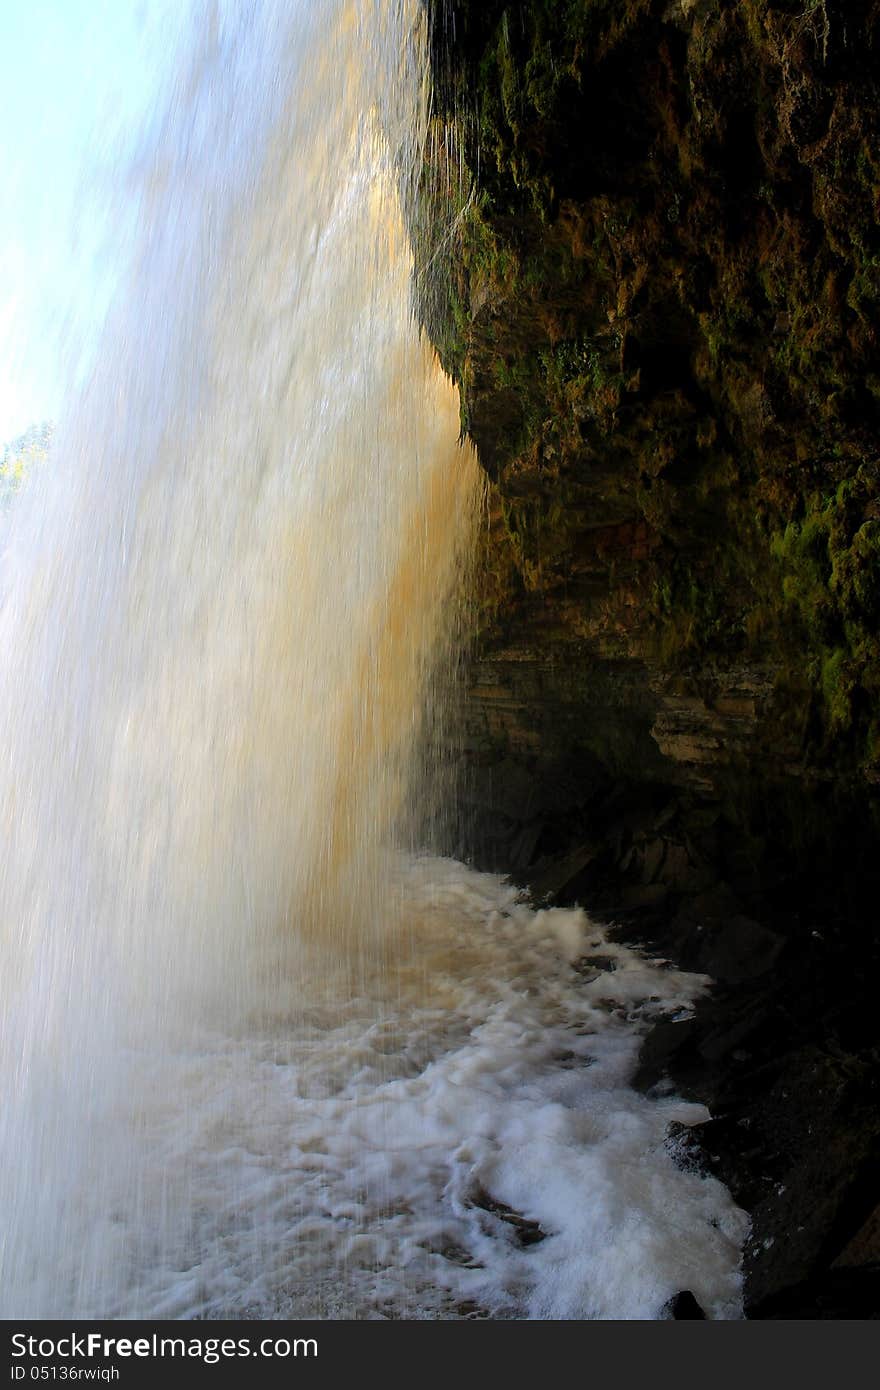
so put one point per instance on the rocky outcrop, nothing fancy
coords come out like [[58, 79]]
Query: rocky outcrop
[[652, 263], [659, 299]]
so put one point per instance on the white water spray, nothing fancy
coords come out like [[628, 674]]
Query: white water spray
[[231, 1014]]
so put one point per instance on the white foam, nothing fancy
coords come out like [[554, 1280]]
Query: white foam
[[342, 1158]]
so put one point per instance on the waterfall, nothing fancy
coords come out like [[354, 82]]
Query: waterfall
[[235, 1007]]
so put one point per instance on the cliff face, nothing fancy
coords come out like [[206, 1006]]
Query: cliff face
[[660, 304], [655, 275]]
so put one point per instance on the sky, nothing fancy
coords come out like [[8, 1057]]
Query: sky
[[78, 79]]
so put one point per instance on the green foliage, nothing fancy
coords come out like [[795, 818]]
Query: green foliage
[[692, 613], [829, 560], [664, 309]]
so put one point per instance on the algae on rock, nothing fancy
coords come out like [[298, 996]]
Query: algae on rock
[[658, 277]]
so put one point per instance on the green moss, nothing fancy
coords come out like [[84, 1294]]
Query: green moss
[[691, 612], [661, 308], [838, 683], [829, 563]]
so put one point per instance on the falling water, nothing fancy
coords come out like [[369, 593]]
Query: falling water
[[255, 1057]]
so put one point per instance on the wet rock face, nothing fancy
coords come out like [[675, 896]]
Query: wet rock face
[[660, 303], [657, 283]]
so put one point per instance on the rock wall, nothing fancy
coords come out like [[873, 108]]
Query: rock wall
[[652, 263], [660, 301]]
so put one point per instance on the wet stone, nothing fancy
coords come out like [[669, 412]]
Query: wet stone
[[568, 1061], [637, 897], [457, 1255], [591, 967], [525, 1232], [652, 859], [683, 1307]]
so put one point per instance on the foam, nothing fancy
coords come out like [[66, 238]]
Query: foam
[[337, 1160]]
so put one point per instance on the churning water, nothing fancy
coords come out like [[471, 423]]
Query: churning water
[[256, 1058]]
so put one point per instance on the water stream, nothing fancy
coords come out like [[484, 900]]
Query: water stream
[[258, 1057]]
